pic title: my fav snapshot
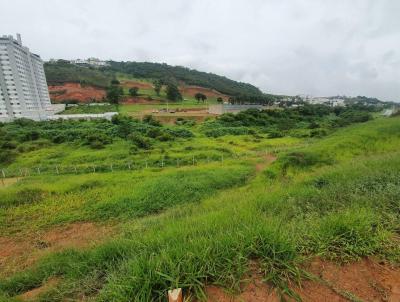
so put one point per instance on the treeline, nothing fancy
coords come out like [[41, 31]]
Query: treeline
[[62, 71], [189, 76], [24, 135]]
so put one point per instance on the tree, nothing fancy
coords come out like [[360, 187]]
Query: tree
[[220, 100], [134, 91], [157, 86], [115, 82], [200, 96], [173, 93], [114, 94]]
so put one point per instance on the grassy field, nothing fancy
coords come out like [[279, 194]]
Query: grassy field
[[335, 197]]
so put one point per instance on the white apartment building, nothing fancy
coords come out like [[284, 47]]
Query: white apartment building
[[23, 86]]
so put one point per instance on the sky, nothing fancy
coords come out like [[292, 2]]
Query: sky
[[291, 47]]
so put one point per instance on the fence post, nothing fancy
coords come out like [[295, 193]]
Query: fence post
[[58, 172], [129, 166], [146, 164], [162, 162], [94, 169], [76, 172], [111, 167], [4, 176], [38, 170], [175, 295]]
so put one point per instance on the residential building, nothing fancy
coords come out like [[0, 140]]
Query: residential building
[[94, 62], [23, 86]]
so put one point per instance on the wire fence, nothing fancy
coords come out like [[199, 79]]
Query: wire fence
[[163, 162], [128, 165]]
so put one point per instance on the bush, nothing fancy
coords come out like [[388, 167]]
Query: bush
[[140, 141], [23, 196], [275, 134], [97, 140], [221, 131], [304, 160]]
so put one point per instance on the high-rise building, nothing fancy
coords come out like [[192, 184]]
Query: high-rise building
[[23, 86]]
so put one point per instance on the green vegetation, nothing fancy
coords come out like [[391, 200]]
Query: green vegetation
[[62, 72], [90, 108], [304, 121], [165, 72], [334, 195]]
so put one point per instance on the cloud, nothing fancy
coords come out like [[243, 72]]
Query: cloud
[[282, 46]]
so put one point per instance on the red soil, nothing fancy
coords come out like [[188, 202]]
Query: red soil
[[364, 280], [19, 253], [210, 93], [137, 100], [74, 91], [34, 294], [138, 84]]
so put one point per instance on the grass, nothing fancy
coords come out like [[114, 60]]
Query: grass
[[201, 225], [82, 109]]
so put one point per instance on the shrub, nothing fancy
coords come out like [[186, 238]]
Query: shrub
[[23, 196], [97, 140], [140, 141], [304, 160]]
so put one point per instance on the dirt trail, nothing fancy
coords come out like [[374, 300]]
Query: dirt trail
[[17, 254], [34, 294], [268, 159], [364, 280]]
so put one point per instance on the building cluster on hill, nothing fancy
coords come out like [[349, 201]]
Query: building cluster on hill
[[95, 62]]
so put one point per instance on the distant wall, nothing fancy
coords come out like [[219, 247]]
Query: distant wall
[[228, 108]]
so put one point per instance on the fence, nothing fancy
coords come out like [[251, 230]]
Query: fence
[[138, 165], [163, 162]]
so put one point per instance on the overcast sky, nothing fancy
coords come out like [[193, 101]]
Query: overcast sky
[[319, 47]]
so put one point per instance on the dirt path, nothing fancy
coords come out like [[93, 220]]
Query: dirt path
[[268, 159]]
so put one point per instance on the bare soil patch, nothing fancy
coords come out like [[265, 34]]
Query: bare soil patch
[[367, 279], [19, 253], [267, 160], [364, 280], [210, 93], [33, 294], [75, 91], [138, 84]]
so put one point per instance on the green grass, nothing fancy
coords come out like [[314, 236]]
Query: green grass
[[201, 225], [90, 109]]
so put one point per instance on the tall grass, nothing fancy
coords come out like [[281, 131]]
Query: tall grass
[[342, 210]]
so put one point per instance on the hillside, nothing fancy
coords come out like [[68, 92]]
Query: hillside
[[62, 72], [186, 75], [301, 203]]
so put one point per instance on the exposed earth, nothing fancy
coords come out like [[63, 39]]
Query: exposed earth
[[364, 280], [18, 253], [77, 92]]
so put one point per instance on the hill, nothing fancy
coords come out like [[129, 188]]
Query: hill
[[63, 72], [186, 75]]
